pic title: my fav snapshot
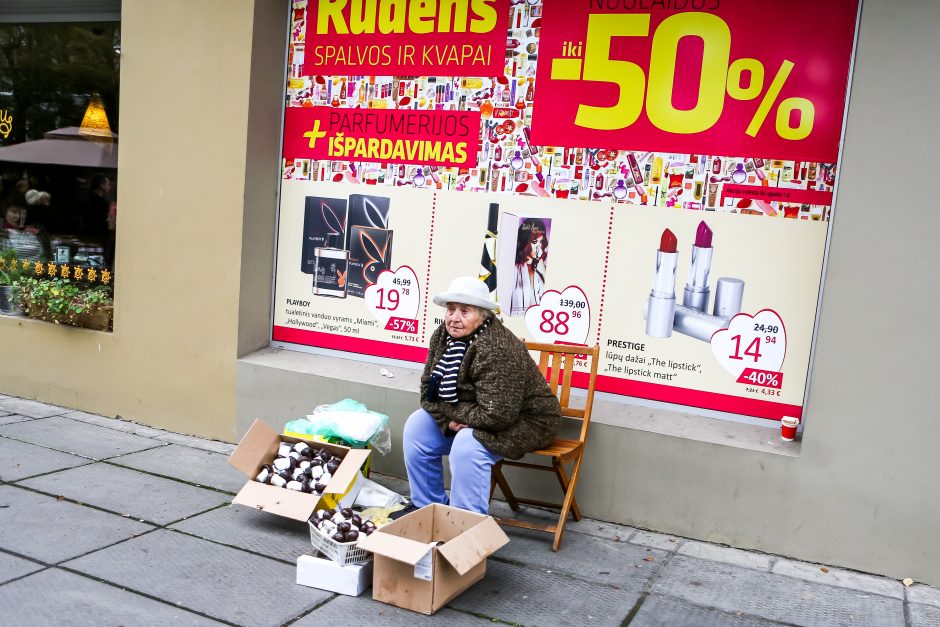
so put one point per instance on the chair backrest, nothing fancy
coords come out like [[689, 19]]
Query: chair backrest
[[556, 363]]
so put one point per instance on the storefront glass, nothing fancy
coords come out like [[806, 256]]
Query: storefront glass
[[654, 178], [58, 170]]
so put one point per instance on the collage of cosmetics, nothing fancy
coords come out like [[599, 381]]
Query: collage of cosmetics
[[508, 162]]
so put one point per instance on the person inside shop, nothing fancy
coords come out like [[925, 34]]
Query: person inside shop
[[482, 399], [28, 241], [529, 277], [98, 205]]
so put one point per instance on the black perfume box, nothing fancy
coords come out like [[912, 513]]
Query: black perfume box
[[370, 253], [365, 210], [322, 217]]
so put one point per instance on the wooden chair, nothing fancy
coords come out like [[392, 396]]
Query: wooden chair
[[556, 362]]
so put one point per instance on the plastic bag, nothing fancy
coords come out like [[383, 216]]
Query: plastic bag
[[349, 420]]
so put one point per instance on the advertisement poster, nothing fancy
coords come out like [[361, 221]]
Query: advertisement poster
[[653, 177]]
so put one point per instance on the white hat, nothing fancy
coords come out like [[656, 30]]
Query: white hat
[[33, 197], [467, 290]]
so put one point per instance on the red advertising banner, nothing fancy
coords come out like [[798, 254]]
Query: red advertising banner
[[406, 37], [739, 77], [446, 138]]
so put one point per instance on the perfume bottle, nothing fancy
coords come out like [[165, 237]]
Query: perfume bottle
[[331, 268]]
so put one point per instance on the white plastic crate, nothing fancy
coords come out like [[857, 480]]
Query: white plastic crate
[[342, 553]]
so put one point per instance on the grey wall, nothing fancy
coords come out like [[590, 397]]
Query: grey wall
[[863, 493]]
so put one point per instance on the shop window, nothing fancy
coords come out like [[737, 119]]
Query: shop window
[[59, 121]]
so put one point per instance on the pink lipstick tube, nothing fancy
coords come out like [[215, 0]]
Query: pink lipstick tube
[[697, 293], [662, 300]]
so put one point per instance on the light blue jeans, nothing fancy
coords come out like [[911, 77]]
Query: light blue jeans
[[471, 465]]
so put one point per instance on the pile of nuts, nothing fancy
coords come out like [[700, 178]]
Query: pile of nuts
[[342, 525], [300, 467]]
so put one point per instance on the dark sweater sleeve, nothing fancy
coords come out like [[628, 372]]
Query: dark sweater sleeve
[[498, 393]]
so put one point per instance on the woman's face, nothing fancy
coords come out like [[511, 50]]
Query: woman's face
[[537, 245], [16, 216], [461, 320]]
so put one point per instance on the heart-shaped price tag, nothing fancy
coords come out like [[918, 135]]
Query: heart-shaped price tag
[[394, 298], [756, 342], [560, 317]]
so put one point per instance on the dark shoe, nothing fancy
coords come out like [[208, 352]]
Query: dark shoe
[[403, 512]]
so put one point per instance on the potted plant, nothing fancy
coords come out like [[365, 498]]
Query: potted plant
[[64, 302], [10, 273]]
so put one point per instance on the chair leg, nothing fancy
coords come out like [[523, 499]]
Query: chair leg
[[569, 498], [563, 481], [504, 486]]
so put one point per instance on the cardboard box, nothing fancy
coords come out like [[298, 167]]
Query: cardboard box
[[259, 447], [521, 259], [425, 559], [370, 254], [316, 572], [322, 217]]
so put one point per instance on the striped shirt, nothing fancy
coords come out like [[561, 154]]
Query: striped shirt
[[448, 365]]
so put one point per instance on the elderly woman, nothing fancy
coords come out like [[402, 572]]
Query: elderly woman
[[482, 399]]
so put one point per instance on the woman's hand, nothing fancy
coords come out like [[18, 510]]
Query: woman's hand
[[453, 425]]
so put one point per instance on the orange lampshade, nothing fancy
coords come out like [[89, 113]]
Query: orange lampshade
[[95, 122]]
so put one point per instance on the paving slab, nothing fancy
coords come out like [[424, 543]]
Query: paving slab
[[527, 596], [9, 419], [19, 460], [114, 423], [247, 528], [214, 580], [51, 531], [839, 577], [919, 593], [773, 597], [656, 540], [365, 611], [586, 526], [57, 597], [725, 555], [78, 438], [12, 567], [130, 492], [924, 615], [586, 557], [186, 464], [33, 409], [190, 440], [659, 611]]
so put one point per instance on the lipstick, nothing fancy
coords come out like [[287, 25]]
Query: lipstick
[[662, 300], [697, 294]]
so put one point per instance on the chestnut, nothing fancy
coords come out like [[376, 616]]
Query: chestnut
[[316, 472], [264, 476], [319, 487], [356, 520], [278, 481], [346, 512], [339, 537], [331, 467], [294, 485], [344, 526], [352, 535], [325, 455], [302, 447], [283, 450], [282, 463]]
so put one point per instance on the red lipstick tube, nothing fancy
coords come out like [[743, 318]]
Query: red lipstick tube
[[662, 301], [697, 293]]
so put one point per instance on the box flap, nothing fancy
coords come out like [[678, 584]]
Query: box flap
[[347, 471], [269, 498], [393, 547], [258, 446], [474, 545]]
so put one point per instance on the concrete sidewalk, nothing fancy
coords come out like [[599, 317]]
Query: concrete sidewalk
[[107, 522]]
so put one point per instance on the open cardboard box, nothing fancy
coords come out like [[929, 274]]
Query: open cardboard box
[[425, 559], [259, 447]]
